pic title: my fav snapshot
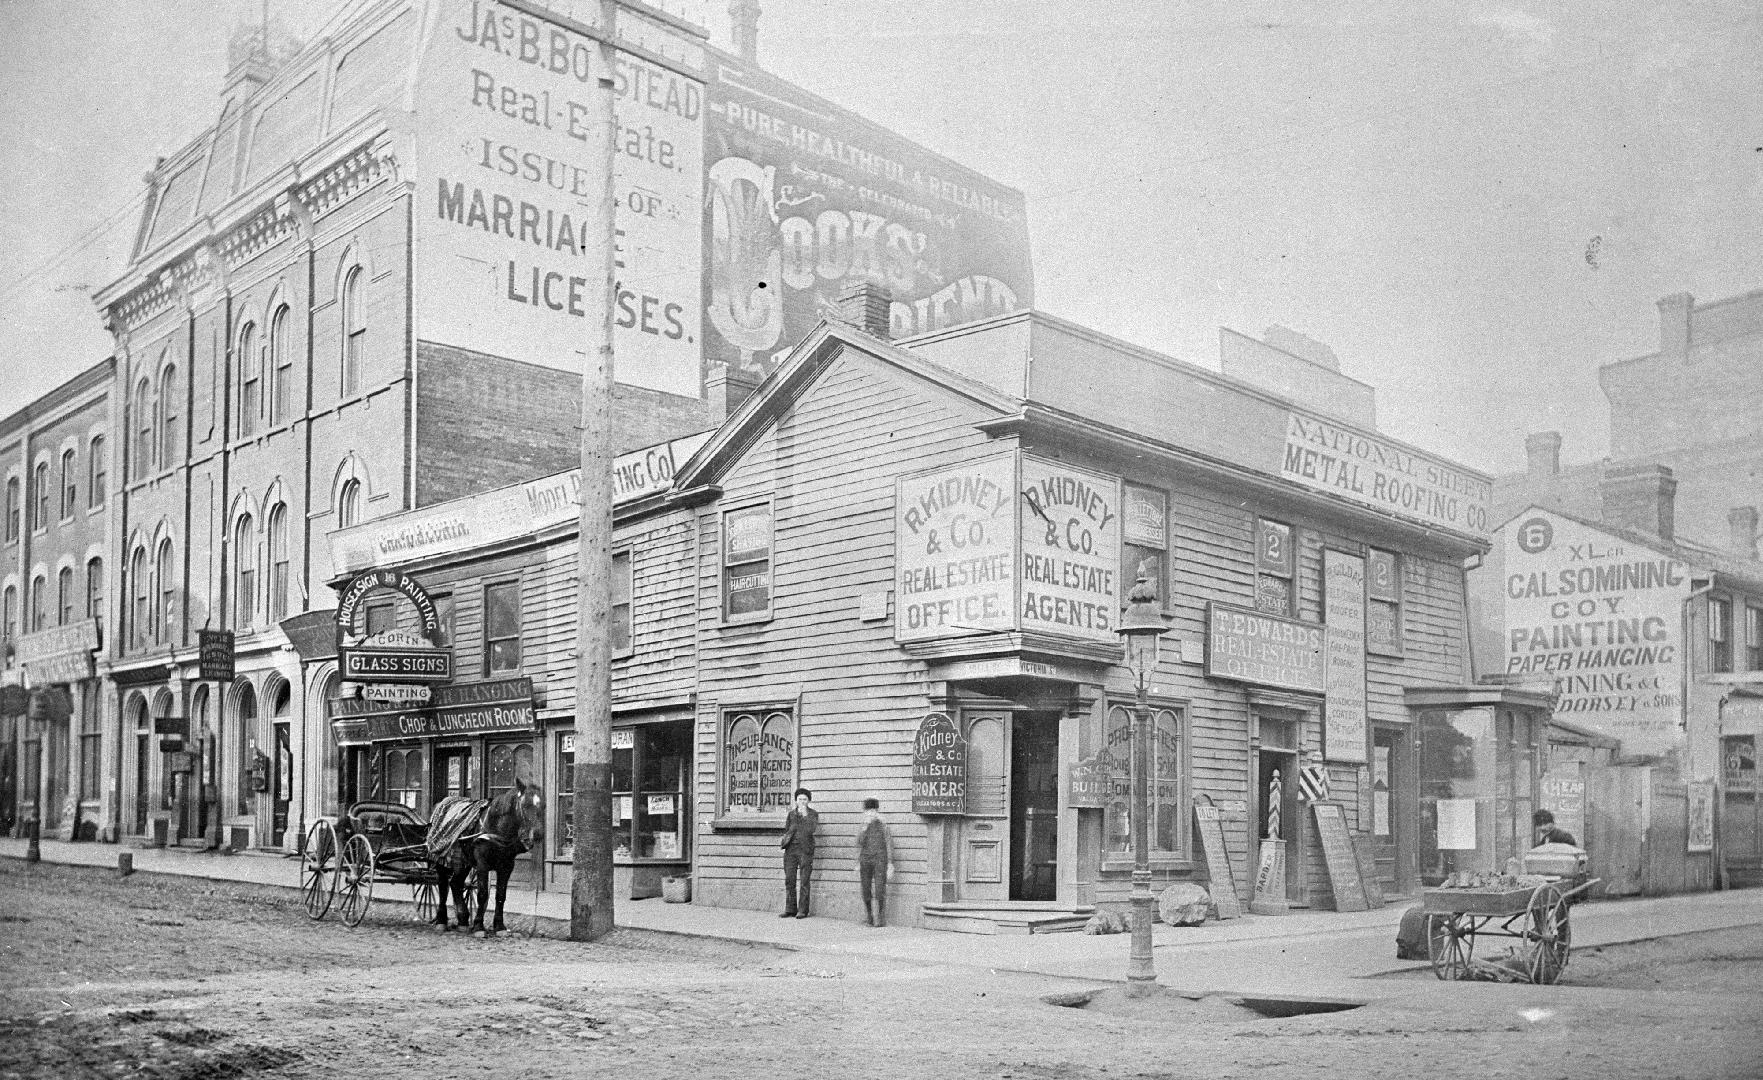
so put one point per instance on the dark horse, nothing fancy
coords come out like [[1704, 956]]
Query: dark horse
[[486, 836]]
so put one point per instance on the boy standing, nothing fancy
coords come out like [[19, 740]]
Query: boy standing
[[798, 845], [875, 861]]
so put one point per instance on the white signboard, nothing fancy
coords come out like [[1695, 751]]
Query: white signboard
[[506, 185], [1070, 551], [1603, 616], [1344, 733], [1456, 825], [954, 545], [1375, 472]]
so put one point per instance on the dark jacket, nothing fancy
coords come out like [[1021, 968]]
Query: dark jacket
[[799, 831], [873, 845], [1554, 835]]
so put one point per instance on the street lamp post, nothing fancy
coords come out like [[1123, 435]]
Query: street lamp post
[[1141, 629]]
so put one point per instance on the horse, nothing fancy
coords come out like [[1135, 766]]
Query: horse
[[485, 836]]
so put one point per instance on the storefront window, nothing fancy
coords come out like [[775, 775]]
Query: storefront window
[[1478, 782], [1166, 803], [404, 776], [650, 816], [758, 761]]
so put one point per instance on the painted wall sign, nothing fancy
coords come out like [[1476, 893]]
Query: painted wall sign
[[1255, 647], [1326, 456], [939, 767], [59, 654], [1345, 733], [805, 198], [215, 655], [1563, 793], [463, 709], [506, 182], [954, 550], [1603, 615], [1070, 565]]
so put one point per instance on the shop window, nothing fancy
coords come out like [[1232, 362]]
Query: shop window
[[40, 495], [70, 485], [1145, 548], [649, 764], [746, 563], [758, 761], [501, 627], [620, 623], [1383, 603], [12, 509], [64, 596], [1478, 780], [1167, 804], [404, 776], [1719, 635], [1275, 568], [1753, 638], [96, 473], [253, 764]]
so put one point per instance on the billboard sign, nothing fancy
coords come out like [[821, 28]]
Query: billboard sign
[[508, 181], [804, 198], [1603, 616], [954, 546], [1269, 650], [1070, 551], [1381, 474]]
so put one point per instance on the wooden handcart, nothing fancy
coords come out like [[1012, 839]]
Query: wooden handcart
[[1536, 916], [374, 843]]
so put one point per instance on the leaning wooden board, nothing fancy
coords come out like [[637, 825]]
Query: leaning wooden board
[[1224, 883], [1338, 857]]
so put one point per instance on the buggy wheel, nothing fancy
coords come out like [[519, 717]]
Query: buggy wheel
[[1450, 943], [423, 892], [1547, 934], [355, 879], [318, 869], [468, 908]]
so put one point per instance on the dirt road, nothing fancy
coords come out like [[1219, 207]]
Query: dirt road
[[174, 978]]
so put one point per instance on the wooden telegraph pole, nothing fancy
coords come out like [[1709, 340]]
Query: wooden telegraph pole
[[590, 898]]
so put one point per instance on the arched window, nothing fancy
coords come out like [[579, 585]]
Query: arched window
[[96, 473], [245, 738], [168, 417], [281, 368], [278, 563], [245, 578], [12, 509], [64, 596], [349, 504], [142, 598], [39, 585], [354, 331], [250, 381], [143, 429], [95, 589], [166, 610], [40, 489], [70, 495], [9, 614]]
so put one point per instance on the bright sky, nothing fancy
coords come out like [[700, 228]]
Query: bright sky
[[1474, 204]]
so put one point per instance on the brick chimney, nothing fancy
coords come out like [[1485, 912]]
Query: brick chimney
[[1742, 520], [1543, 452], [744, 27], [1674, 325], [725, 388], [865, 305], [1640, 497]]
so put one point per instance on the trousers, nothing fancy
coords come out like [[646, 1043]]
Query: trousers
[[872, 881], [798, 874]]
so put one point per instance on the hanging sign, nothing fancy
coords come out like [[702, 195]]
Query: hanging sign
[[214, 655], [1089, 783], [939, 767]]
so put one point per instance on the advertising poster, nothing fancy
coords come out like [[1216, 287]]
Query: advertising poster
[[506, 185], [1701, 816], [954, 546], [804, 198], [1603, 616], [1344, 730], [1070, 551]]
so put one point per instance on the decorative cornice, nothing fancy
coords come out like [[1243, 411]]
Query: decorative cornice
[[361, 169]]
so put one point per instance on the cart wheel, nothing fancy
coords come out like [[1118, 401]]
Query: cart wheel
[[468, 909], [318, 869], [1548, 934], [423, 892], [355, 879], [1450, 942]]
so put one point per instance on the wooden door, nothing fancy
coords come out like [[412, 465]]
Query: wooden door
[[984, 849], [1034, 806], [503, 762], [1385, 761]]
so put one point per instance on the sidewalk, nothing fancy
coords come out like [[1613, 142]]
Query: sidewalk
[[1305, 953]]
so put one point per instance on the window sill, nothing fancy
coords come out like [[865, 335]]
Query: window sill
[[747, 620]]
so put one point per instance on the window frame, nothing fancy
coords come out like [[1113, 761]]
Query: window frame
[[354, 334], [1118, 859], [64, 608], [70, 496], [1131, 548], [40, 497], [1753, 637], [95, 587], [39, 586], [620, 617], [760, 817], [1385, 596], [250, 381], [280, 368], [244, 573], [276, 542], [97, 473], [145, 440], [166, 450], [490, 640], [164, 591], [140, 595], [349, 503], [1720, 634], [1270, 567], [726, 567], [14, 509], [11, 614]]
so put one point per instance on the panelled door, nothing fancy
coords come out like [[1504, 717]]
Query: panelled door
[[985, 831], [1010, 836]]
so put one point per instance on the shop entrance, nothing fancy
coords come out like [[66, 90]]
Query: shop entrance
[[453, 773], [1388, 763], [1277, 805], [506, 761], [1741, 826], [1010, 837]]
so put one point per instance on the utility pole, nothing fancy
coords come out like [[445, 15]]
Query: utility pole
[[590, 899]]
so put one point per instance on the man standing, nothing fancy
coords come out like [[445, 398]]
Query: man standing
[[875, 861], [1547, 832], [798, 845]]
